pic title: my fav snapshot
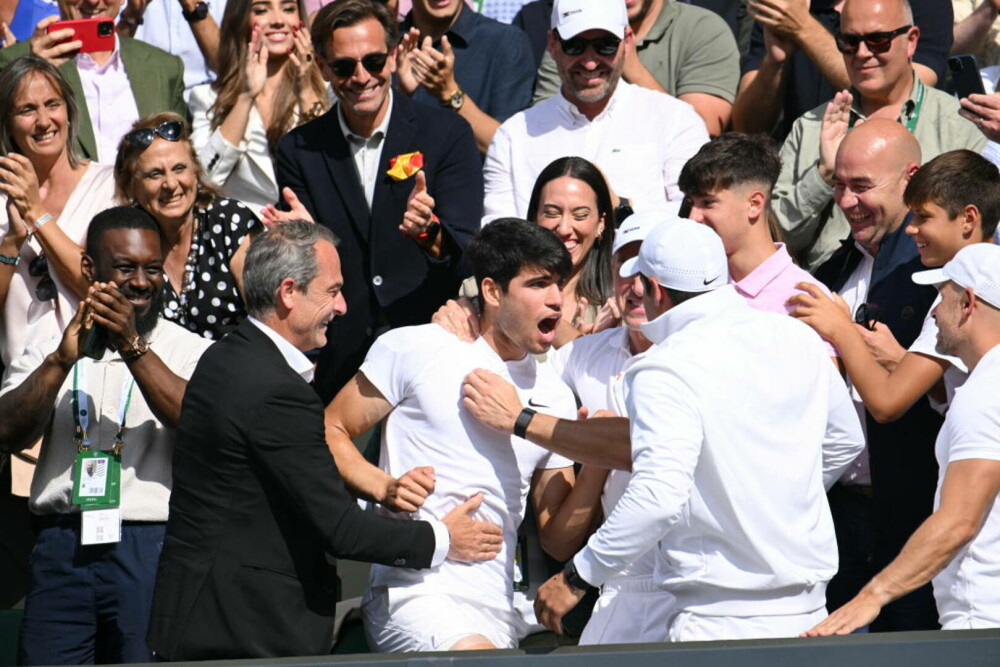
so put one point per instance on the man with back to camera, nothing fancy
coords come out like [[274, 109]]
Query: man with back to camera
[[742, 534], [258, 501], [412, 378]]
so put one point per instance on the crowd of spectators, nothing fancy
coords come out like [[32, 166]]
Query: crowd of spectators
[[661, 320]]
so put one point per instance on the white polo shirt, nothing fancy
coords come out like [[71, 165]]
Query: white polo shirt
[[640, 141], [966, 589], [420, 371], [739, 423]]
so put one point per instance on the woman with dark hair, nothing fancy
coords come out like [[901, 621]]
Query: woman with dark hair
[[204, 235], [269, 82], [49, 194], [572, 198]]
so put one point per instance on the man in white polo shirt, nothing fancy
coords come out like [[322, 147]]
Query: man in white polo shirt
[[412, 378], [958, 546], [738, 424], [640, 138]]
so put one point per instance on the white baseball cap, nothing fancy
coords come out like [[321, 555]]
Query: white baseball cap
[[571, 17], [682, 255], [976, 266], [637, 226]]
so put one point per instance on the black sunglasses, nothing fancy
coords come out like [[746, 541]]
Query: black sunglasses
[[867, 315], [171, 130], [603, 46], [344, 67], [45, 290], [877, 42]]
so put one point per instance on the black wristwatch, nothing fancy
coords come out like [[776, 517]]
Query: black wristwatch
[[573, 578], [623, 210], [521, 425], [199, 12]]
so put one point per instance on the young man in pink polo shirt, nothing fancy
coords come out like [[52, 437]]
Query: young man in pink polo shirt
[[729, 182]]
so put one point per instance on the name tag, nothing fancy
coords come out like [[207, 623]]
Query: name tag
[[101, 526], [97, 480]]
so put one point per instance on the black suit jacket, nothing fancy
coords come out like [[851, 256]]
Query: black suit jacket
[[257, 502], [388, 279]]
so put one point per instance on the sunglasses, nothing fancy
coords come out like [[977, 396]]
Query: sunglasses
[[877, 42], [171, 130], [342, 68], [603, 46], [867, 315], [45, 290]]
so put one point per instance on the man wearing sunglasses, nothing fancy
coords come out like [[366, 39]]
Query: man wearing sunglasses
[[403, 236], [638, 137], [888, 491], [877, 40]]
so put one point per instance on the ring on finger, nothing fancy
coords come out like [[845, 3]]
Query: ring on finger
[[309, 57]]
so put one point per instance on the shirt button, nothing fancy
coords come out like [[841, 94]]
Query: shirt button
[[399, 561], [376, 281]]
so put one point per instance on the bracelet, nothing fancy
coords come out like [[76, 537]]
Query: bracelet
[[33, 227], [9, 261], [521, 425]]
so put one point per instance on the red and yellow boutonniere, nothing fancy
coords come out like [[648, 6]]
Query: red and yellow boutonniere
[[406, 165]]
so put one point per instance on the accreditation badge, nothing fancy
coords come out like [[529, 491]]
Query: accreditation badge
[[97, 490]]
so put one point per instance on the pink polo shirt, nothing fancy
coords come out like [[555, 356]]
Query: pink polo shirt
[[772, 283]]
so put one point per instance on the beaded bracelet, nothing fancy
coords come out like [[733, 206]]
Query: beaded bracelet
[[9, 261]]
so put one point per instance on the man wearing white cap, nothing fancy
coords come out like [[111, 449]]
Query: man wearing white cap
[[738, 424], [958, 546], [640, 138]]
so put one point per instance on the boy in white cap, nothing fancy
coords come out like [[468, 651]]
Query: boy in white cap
[[958, 546]]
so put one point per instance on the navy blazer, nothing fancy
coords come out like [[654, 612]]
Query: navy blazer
[[257, 503], [388, 279]]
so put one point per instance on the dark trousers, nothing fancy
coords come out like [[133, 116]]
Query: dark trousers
[[89, 604]]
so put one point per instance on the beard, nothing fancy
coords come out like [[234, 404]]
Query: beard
[[146, 322]]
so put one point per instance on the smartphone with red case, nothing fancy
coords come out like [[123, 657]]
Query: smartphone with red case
[[97, 34]]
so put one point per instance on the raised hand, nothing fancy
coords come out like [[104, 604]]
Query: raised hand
[[419, 213], [255, 69], [302, 55], [836, 123], [271, 216], [57, 47], [71, 346], [471, 540], [459, 317], [404, 61], [110, 309], [435, 70], [827, 316], [20, 183], [984, 111], [7, 37]]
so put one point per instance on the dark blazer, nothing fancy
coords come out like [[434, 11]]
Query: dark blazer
[[257, 503], [156, 78], [388, 279]]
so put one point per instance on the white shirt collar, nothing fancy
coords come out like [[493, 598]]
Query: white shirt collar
[[293, 356], [705, 305], [571, 110], [379, 131]]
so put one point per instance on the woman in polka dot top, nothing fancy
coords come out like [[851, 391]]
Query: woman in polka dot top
[[204, 235]]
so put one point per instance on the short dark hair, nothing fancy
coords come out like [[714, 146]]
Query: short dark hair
[[118, 217], [284, 251], [506, 246], [345, 13], [596, 282], [732, 159], [954, 180]]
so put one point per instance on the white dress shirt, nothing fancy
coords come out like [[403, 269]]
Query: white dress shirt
[[640, 141], [366, 151], [739, 423], [110, 101]]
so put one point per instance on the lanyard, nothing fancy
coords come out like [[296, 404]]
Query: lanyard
[[81, 414], [911, 122]]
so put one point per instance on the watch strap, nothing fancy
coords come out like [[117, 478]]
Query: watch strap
[[521, 425], [573, 577], [135, 349]]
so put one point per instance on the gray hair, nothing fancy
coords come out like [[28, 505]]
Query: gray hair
[[11, 78], [284, 251]]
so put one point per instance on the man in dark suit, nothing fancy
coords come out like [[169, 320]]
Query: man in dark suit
[[403, 235], [257, 501], [154, 77]]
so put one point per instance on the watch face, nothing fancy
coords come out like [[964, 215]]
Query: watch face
[[457, 100]]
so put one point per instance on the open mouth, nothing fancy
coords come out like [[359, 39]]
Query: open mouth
[[40, 138], [548, 326]]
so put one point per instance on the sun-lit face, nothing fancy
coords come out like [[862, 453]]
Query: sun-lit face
[[363, 96], [725, 212], [277, 20], [527, 314], [73, 10], [870, 193], [637, 9], [874, 74], [948, 315], [166, 184], [568, 207], [438, 10], [938, 236], [319, 303], [39, 124], [589, 78], [133, 260], [629, 291]]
